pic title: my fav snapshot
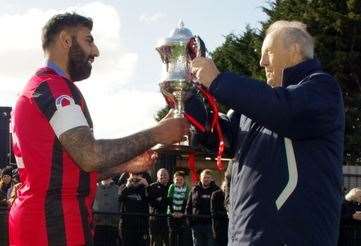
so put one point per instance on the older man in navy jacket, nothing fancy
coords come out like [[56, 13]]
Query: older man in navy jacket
[[288, 141]]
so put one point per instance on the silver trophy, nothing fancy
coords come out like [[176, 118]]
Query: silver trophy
[[176, 52]]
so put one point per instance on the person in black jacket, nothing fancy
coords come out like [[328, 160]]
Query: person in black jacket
[[158, 204], [219, 216], [198, 205], [133, 199], [5, 184], [350, 226]]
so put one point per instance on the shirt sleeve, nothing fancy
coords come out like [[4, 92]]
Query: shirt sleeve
[[305, 110], [59, 106]]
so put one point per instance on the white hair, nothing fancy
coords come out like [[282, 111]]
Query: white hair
[[162, 170], [354, 195], [294, 32]]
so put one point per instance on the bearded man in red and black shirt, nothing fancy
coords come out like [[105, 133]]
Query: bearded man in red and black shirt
[[58, 158]]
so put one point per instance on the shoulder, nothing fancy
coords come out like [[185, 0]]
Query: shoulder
[[217, 194], [215, 188], [321, 78], [171, 187], [196, 188], [152, 185]]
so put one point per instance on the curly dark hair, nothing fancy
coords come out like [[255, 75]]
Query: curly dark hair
[[59, 22]]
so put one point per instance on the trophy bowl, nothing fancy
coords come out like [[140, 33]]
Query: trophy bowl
[[176, 83]]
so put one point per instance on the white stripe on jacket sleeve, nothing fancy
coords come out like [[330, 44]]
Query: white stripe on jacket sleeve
[[292, 174]]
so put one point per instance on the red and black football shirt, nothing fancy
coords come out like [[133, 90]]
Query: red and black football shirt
[[54, 202]]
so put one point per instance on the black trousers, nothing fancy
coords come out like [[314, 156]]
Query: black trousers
[[159, 233], [179, 232], [134, 237], [106, 236]]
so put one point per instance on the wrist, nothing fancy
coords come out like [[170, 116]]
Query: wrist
[[157, 135]]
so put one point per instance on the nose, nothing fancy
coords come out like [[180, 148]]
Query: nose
[[263, 62], [95, 51]]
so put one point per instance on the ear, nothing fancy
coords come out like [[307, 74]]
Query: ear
[[297, 55], [65, 39]]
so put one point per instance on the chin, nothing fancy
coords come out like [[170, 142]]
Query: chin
[[270, 83]]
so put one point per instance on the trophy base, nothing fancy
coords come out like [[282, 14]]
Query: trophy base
[[179, 149]]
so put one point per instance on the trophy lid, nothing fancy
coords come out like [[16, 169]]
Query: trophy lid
[[179, 34]]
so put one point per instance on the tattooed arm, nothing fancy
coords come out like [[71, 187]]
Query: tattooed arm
[[141, 163], [103, 155]]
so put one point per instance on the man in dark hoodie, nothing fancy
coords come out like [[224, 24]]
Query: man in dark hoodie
[[158, 204], [133, 200], [199, 205]]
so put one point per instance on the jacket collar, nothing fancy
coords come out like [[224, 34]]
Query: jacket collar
[[293, 75]]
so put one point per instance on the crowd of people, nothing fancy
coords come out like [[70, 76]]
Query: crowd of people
[[9, 184], [134, 211]]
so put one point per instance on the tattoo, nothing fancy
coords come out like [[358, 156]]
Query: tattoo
[[109, 172], [98, 155]]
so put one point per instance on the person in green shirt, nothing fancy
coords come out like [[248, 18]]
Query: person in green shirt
[[177, 196]]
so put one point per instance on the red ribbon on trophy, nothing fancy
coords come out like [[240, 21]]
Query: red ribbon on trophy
[[196, 48]]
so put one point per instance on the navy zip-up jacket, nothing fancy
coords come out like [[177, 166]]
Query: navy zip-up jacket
[[286, 186]]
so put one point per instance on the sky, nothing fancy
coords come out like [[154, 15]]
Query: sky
[[123, 91]]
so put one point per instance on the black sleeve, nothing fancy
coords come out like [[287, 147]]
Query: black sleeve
[[217, 204], [123, 191], [308, 109], [348, 209], [152, 197], [189, 205], [209, 140]]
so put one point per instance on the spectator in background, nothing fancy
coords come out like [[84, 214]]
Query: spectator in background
[[177, 196], [133, 199], [12, 191], [350, 226], [106, 225], [158, 203], [219, 216], [199, 205], [5, 184], [123, 178]]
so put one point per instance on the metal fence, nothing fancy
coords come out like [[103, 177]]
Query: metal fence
[[351, 177], [351, 235]]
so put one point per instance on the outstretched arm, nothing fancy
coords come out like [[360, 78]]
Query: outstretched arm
[[139, 164], [100, 155]]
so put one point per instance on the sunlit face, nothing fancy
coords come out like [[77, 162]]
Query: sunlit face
[[81, 54], [163, 176], [6, 178], [206, 179], [135, 176], [274, 58], [178, 180]]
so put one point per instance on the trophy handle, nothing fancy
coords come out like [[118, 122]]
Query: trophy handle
[[201, 47], [196, 48]]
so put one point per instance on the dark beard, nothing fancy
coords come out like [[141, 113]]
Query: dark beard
[[79, 68]]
